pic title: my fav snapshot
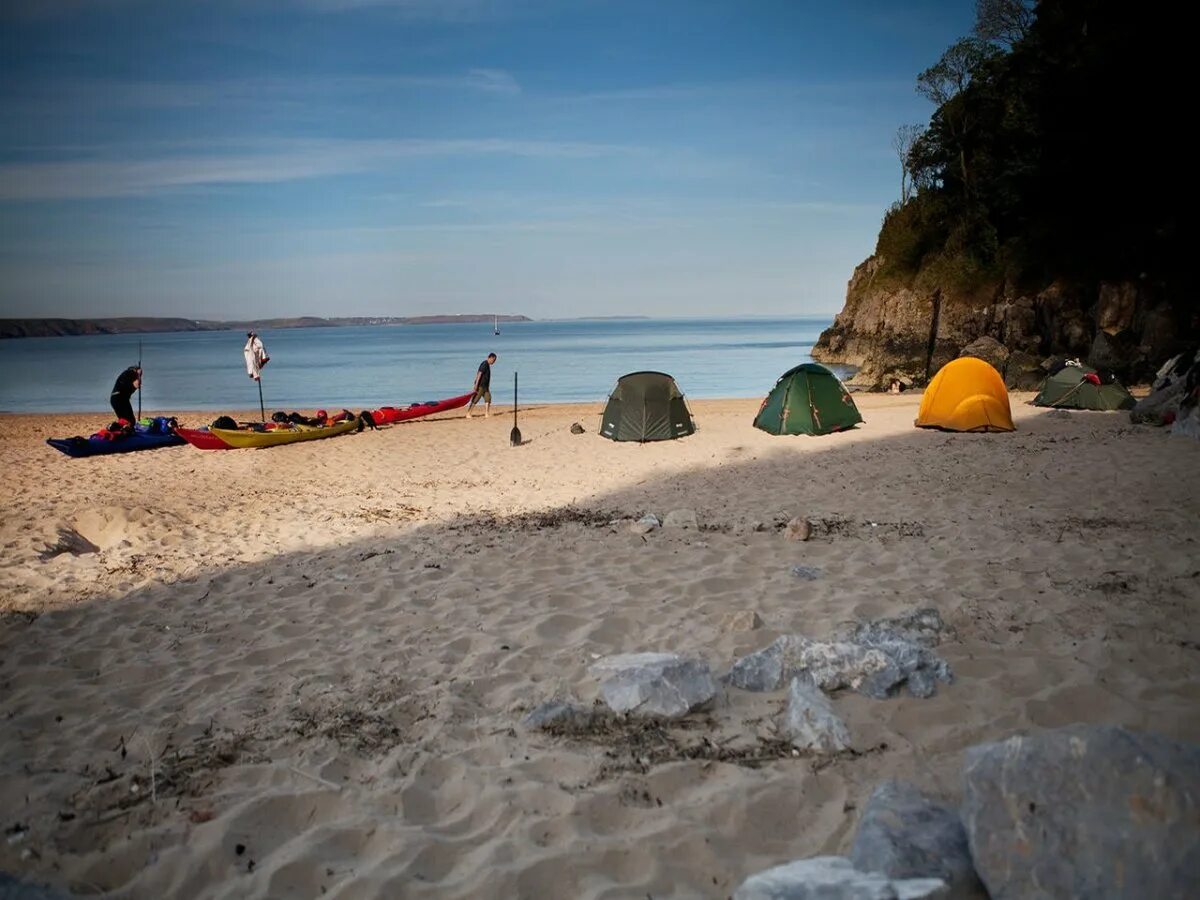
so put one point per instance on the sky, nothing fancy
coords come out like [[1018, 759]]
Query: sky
[[554, 158]]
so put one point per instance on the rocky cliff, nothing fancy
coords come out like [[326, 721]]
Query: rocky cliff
[[909, 330]]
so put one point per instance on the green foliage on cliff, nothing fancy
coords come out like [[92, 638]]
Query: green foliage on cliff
[[1054, 150]]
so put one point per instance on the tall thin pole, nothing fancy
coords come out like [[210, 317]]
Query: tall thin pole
[[141, 379], [261, 408]]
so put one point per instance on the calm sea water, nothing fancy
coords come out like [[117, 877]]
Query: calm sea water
[[361, 367]]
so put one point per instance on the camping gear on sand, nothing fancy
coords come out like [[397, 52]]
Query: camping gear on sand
[[966, 394], [808, 399], [646, 406], [1080, 387], [159, 432]]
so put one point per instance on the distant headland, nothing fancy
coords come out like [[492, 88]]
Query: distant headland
[[19, 328]]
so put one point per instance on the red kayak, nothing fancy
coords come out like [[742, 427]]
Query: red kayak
[[202, 439], [386, 415]]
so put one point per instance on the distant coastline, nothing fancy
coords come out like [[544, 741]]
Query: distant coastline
[[20, 328]]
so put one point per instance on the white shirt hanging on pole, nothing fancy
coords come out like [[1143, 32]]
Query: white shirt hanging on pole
[[256, 356]]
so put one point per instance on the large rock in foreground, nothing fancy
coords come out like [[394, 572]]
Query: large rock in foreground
[[12, 889], [1084, 811], [831, 665], [833, 878], [904, 834], [654, 684], [874, 658]]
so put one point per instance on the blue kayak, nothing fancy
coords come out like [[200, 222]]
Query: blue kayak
[[143, 438]]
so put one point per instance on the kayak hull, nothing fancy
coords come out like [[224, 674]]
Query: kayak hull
[[244, 438], [93, 446], [202, 439], [389, 415]]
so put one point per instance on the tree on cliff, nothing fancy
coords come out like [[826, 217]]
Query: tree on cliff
[[1045, 155], [1041, 208], [903, 141]]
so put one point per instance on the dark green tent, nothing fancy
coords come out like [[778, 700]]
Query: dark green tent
[[646, 406], [808, 399], [1068, 388]]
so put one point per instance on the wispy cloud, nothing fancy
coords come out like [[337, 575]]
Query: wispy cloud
[[831, 91], [456, 11], [288, 161], [69, 94], [448, 11]]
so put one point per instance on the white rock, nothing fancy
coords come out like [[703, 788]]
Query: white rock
[[654, 684], [645, 524], [809, 721], [833, 878]]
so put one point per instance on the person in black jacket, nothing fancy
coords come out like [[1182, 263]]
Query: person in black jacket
[[127, 382]]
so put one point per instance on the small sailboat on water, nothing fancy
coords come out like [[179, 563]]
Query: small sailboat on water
[[495, 325]]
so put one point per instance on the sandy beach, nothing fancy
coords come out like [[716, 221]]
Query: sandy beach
[[300, 672]]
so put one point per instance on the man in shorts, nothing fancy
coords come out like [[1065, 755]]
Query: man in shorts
[[483, 387]]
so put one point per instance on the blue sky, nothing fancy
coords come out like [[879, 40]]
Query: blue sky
[[557, 158]]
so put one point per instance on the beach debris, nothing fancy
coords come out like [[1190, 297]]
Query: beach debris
[[798, 529], [806, 573], [681, 518], [1084, 811], [742, 620], [809, 721], [69, 541], [905, 834], [654, 684], [873, 658], [830, 877], [558, 713], [576, 428], [645, 524], [836, 527]]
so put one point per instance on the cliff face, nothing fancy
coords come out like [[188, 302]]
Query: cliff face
[[910, 332]]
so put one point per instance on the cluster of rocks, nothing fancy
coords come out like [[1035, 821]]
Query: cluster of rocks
[[1081, 811], [908, 331], [877, 659], [1174, 398]]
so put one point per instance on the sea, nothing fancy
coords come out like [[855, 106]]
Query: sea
[[362, 367]]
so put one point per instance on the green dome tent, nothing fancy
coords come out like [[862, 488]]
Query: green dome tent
[[646, 406], [808, 399], [1069, 388]]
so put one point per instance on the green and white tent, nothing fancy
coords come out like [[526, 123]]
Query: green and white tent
[[1070, 388], [808, 399], [646, 406]]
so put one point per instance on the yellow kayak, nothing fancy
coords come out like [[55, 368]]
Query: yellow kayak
[[281, 434]]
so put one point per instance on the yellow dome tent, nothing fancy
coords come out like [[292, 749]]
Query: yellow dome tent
[[966, 395]]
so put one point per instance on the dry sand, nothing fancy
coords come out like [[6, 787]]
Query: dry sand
[[299, 672]]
